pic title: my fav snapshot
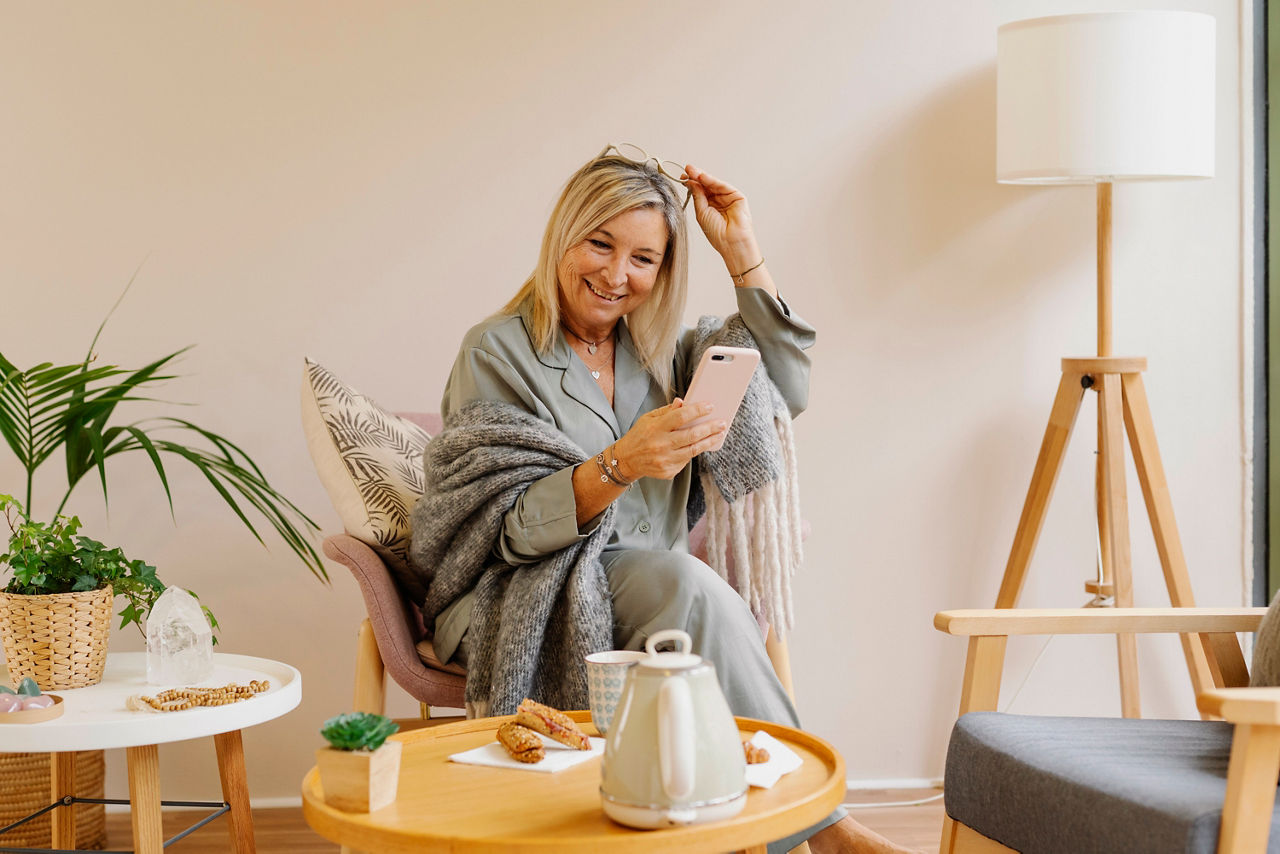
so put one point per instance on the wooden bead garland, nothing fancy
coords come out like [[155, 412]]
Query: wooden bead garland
[[179, 699]]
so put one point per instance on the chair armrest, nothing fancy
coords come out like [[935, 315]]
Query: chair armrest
[[396, 628], [988, 632], [1242, 705], [1091, 621]]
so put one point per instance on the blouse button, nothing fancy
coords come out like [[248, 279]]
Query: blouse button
[[644, 527]]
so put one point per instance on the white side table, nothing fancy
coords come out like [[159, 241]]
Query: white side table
[[96, 718]]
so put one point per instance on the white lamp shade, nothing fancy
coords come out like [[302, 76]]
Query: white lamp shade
[[1109, 96]]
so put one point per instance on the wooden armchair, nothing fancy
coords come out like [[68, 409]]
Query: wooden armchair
[[1033, 784]]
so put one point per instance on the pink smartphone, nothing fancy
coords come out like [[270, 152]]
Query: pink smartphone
[[721, 380]]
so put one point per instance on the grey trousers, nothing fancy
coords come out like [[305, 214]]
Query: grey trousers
[[656, 590]]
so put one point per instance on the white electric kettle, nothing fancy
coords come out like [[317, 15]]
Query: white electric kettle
[[673, 755]]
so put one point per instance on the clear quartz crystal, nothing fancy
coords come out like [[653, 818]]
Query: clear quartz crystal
[[179, 640]]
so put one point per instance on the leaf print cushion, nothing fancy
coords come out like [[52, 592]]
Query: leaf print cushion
[[369, 461]]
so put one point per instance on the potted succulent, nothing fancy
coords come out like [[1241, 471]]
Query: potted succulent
[[360, 769], [73, 408]]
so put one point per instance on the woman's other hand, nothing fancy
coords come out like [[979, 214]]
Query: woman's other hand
[[661, 442], [724, 217]]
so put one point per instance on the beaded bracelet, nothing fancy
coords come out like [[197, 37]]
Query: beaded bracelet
[[609, 471]]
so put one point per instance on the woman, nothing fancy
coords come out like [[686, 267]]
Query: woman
[[585, 365]]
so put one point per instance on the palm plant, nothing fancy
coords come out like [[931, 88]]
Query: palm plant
[[50, 407]]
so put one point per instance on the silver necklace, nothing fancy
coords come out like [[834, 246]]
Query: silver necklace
[[595, 372], [591, 345], [591, 348]]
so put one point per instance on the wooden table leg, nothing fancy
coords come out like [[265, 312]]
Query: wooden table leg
[[62, 782], [235, 790], [144, 798]]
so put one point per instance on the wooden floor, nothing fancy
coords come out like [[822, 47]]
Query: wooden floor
[[918, 828], [283, 831]]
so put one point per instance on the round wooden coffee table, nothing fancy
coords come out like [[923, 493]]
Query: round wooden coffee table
[[446, 806]]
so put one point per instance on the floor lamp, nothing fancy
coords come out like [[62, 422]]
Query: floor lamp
[[1095, 99]]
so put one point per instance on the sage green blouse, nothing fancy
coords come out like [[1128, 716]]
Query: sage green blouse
[[497, 361]]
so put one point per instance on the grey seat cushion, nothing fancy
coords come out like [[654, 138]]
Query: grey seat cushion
[[1074, 785]]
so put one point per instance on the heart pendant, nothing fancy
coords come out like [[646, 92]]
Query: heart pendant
[[595, 374], [591, 348]]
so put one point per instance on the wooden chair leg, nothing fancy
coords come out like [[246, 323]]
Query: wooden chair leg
[[948, 845], [371, 675], [983, 668], [780, 657], [1062, 419], [1251, 789]]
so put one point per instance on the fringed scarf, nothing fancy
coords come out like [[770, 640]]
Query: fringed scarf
[[751, 490]]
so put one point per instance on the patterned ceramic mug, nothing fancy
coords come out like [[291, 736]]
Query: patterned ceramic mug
[[606, 671]]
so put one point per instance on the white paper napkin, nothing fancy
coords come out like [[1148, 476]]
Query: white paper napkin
[[558, 758], [782, 760]]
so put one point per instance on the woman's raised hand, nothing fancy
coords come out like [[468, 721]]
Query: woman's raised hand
[[724, 218], [661, 442]]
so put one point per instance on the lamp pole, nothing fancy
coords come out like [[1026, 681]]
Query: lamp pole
[[1104, 268]]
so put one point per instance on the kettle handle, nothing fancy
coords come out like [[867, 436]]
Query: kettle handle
[[681, 638], [676, 744]]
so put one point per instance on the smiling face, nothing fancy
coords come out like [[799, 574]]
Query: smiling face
[[611, 272]]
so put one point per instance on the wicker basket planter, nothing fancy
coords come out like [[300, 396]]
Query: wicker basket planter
[[24, 788], [60, 640]]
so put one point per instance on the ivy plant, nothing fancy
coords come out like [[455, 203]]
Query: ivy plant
[[51, 557]]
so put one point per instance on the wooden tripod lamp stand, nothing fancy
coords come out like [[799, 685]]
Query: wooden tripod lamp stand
[[1094, 99]]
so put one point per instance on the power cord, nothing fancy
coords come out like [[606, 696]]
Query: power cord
[[866, 806]]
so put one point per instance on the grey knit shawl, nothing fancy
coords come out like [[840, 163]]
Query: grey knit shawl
[[532, 625]]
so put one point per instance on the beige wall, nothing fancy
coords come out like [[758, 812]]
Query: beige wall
[[359, 182]]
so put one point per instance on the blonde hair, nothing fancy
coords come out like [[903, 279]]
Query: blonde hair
[[602, 189]]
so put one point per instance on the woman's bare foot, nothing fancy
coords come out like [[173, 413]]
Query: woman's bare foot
[[846, 836]]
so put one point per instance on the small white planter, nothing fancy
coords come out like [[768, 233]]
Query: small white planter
[[359, 780]]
